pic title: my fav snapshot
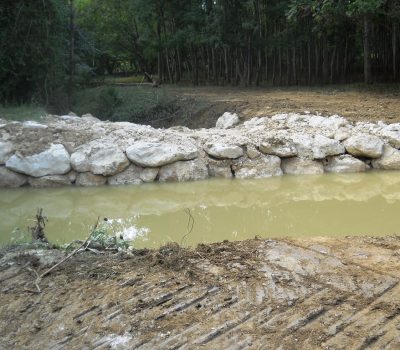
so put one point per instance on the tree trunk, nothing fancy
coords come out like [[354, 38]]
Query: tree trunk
[[394, 50], [71, 53], [367, 51]]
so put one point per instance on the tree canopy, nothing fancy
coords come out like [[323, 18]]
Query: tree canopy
[[279, 42]]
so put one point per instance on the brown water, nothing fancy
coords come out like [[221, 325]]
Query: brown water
[[153, 214]]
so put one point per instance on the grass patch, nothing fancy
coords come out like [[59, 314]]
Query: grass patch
[[22, 113]]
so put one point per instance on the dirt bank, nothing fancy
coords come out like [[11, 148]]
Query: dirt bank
[[287, 294], [200, 107]]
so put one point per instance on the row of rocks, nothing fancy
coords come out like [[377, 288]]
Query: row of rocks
[[125, 153]]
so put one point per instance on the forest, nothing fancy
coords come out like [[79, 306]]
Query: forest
[[53, 47]]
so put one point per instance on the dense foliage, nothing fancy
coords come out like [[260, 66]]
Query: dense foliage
[[53, 44]]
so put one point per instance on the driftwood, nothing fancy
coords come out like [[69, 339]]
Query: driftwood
[[37, 231], [154, 83]]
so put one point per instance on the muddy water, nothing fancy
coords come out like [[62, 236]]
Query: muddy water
[[153, 214]]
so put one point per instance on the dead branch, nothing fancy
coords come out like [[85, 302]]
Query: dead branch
[[84, 245]]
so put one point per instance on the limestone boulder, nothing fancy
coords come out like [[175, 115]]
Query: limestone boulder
[[304, 144], [9, 178], [53, 161], [108, 161], [52, 180], [344, 163], [227, 120], [324, 147], [219, 168], [364, 145], [301, 166], [392, 134], [223, 151], [184, 171], [390, 159], [149, 174], [278, 146], [89, 179], [80, 159], [6, 150], [156, 154], [261, 167], [134, 175]]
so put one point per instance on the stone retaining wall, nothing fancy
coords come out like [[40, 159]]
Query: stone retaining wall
[[84, 151]]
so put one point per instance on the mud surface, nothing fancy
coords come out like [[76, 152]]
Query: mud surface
[[257, 294]]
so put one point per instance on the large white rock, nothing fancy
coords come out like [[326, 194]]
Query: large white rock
[[300, 166], [304, 144], [184, 171], [53, 161], [108, 161], [390, 159], [6, 150], [134, 175], [278, 146], [52, 180], [80, 159], [223, 150], [324, 147], [392, 134], [344, 163], [261, 167], [227, 120], [155, 154], [10, 179], [364, 145], [89, 179]]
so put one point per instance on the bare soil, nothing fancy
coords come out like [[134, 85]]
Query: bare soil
[[258, 294], [200, 107]]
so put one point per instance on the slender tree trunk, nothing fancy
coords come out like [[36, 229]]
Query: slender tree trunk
[[333, 65], [367, 51], [309, 62], [394, 50], [70, 89]]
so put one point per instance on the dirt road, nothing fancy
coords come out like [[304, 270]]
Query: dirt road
[[258, 294]]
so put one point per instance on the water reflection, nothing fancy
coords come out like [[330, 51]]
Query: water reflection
[[153, 214]]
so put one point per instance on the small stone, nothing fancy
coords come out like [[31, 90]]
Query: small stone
[[149, 174], [252, 152]]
